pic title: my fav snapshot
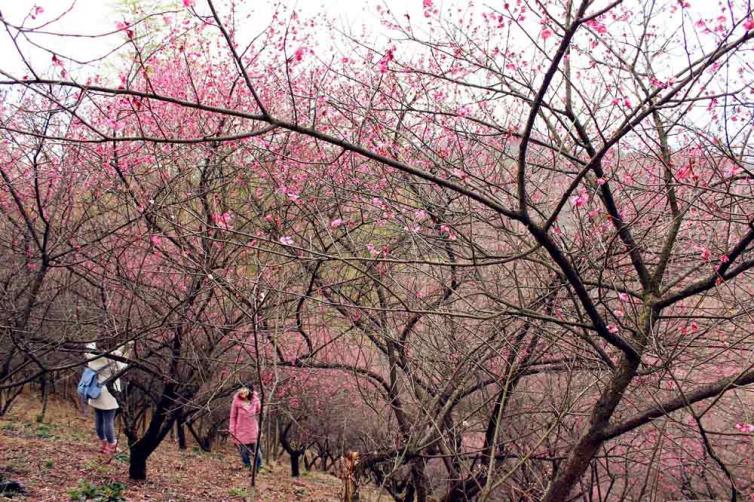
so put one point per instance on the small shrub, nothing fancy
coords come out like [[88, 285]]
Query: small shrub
[[238, 492], [44, 431], [95, 465], [86, 491]]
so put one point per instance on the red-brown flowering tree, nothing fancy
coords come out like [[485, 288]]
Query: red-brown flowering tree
[[526, 228]]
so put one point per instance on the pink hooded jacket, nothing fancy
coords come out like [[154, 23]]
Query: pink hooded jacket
[[244, 419]]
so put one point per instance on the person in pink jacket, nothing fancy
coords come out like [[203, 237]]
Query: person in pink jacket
[[244, 424]]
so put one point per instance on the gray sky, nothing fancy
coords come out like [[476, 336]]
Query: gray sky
[[99, 16]]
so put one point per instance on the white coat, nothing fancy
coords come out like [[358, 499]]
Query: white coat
[[105, 368]]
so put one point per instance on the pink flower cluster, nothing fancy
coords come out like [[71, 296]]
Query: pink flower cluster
[[745, 427], [223, 221]]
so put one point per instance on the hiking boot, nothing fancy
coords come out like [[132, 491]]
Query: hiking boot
[[102, 446]]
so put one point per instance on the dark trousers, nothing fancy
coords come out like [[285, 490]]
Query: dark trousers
[[247, 450], [104, 423]]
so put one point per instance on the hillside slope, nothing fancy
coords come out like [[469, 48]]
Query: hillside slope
[[59, 455]]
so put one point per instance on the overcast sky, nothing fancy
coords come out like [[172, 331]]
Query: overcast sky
[[99, 16]]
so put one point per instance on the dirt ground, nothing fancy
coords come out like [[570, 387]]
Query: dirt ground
[[59, 455]]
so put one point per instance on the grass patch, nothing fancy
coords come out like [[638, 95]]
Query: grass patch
[[44, 431], [238, 492], [86, 491]]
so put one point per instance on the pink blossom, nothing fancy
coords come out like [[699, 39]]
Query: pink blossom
[[372, 250], [427, 4], [601, 181], [612, 328], [545, 33], [299, 54], [445, 229], [623, 297], [684, 172], [724, 258], [286, 240], [223, 220], [125, 26], [597, 26], [156, 240], [188, 3], [658, 83], [336, 223], [581, 199], [749, 24], [705, 254], [745, 427], [458, 173], [389, 56], [733, 170]]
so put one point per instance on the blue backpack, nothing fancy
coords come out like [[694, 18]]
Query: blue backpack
[[89, 387]]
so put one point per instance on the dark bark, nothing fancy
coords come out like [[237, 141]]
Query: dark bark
[[204, 442], [295, 463], [180, 431], [582, 454], [137, 467], [159, 427]]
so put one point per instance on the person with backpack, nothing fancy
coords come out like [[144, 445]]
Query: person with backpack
[[100, 368], [244, 424]]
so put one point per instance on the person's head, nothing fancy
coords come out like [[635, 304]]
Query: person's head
[[244, 393]]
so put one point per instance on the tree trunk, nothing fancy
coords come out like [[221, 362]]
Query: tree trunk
[[180, 432], [160, 425], [295, 468], [324, 463], [309, 461], [204, 443], [137, 467], [582, 454], [45, 394], [419, 480]]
